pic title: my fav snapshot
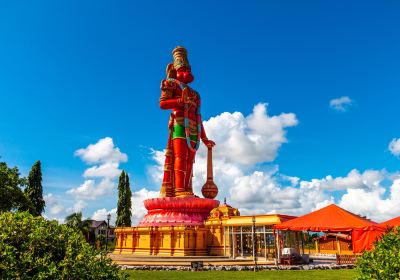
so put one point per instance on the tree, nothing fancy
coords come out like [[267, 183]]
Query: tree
[[382, 262], [34, 190], [128, 202], [12, 197], [124, 207], [35, 248], [75, 220]]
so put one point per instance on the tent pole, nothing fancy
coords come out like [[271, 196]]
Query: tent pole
[[278, 248], [338, 245]]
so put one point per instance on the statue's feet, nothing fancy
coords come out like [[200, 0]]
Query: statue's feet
[[184, 194]]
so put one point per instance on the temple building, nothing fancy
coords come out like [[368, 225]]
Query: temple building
[[224, 233]]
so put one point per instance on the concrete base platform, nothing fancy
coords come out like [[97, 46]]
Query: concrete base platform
[[182, 261]]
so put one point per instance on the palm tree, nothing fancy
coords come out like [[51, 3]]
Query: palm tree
[[75, 220]]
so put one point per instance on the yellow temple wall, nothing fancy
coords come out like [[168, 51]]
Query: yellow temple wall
[[162, 241], [215, 240], [207, 240]]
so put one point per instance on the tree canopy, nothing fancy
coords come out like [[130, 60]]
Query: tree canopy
[[35, 248], [75, 220], [12, 196]]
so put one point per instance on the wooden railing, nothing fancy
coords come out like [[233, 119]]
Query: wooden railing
[[346, 259]]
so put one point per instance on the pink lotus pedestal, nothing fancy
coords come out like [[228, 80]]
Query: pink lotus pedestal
[[177, 211]]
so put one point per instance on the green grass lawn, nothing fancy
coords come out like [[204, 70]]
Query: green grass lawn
[[242, 275]]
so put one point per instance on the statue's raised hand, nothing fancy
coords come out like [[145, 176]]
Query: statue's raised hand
[[209, 143]]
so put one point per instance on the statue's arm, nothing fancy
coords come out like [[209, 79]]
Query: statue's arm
[[209, 143], [167, 99], [203, 132]]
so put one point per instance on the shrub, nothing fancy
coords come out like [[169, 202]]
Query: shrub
[[382, 262], [32, 247]]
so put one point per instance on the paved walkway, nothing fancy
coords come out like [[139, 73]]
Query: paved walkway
[[182, 261]]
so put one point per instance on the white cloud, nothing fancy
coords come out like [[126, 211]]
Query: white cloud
[[78, 206], [262, 192], [101, 215], [156, 171], [254, 187], [255, 192], [246, 146], [394, 147], [364, 193], [341, 104], [105, 158], [89, 190], [373, 203], [370, 179], [242, 142], [103, 151], [59, 220], [53, 205], [138, 209], [249, 140], [108, 170]]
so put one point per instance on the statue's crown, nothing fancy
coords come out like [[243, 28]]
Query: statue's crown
[[180, 58]]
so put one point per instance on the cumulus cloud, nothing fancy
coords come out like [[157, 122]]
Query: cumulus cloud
[[394, 147], [105, 158], [369, 179], [379, 204], [364, 193], [261, 192], [89, 190], [53, 204], [101, 152], [249, 140], [341, 104], [101, 215], [244, 175], [107, 170], [242, 143], [78, 206], [138, 209], [155, 171]]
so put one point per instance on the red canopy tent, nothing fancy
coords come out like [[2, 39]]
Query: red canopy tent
[[395, 222], [332, 218]]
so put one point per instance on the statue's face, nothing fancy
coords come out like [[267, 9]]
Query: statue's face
[[184, 75]]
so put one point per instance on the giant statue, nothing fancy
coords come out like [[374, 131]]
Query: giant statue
[[175, 222], [185, 126], [177, 204]]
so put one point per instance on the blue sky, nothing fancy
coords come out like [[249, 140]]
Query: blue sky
[[73, 72]]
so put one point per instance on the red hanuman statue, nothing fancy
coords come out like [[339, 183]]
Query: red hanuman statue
[[185, 126]]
